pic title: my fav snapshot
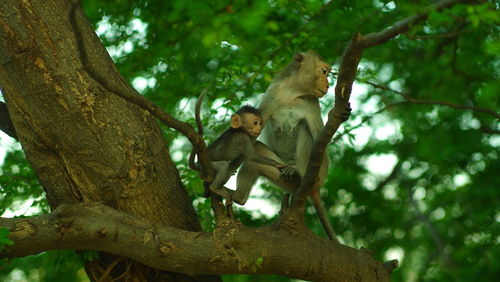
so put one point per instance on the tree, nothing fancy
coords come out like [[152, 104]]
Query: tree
[[111, 183]]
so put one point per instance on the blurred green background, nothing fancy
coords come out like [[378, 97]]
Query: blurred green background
[[414, 181]]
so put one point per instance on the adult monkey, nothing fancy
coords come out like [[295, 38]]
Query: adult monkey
[[292, 120]]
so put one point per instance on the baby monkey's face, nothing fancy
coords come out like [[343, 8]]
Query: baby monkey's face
[[252, 124]]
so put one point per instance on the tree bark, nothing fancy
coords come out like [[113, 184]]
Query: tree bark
[[229, 249], [84, 143]]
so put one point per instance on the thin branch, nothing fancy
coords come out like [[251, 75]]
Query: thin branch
[[430, 227], [489, 130], [436, 36], [383, 87], [367, 118], [454, 106], [286, 42], [393, 175], [411, 100], [455, 68], [126, 92], [377, 38], [343, 87]]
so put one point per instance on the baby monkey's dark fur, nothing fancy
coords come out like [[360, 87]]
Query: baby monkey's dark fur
[[234, 146]]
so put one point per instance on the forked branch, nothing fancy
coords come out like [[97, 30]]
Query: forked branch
[[343, 87]]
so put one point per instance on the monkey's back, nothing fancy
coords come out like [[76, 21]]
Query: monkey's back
[[228, 146]]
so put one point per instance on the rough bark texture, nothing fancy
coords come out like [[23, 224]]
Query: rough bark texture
[[229, 249], [84, 143]]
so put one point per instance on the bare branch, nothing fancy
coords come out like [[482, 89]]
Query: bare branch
[[128, 93], [411, 100], [226, 250], [399, 27], [489, 130], [437, 36], [432, 231], [455, 106], [343, 87], [383, 87], [393, 175]]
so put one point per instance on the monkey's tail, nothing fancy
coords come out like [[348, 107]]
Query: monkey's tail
[[197, 111], [323, 215], [192, 163]]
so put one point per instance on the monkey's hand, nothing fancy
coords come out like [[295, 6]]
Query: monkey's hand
[[346, 113], [289, 173]]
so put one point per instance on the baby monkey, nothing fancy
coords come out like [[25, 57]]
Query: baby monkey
[[236, 145]]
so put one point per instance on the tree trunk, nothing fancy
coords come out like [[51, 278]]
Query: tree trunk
[[85, 143]]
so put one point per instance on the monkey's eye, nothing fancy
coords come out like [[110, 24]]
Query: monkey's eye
[[325, 71]]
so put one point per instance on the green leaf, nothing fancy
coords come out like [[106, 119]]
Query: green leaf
[[4, 238]]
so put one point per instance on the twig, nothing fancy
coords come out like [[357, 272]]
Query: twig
[[402, 26], [382, 87], [393, 175], [105, 274], [455, 106], [436, 36], [127, 271], [286, 42], [411, 100], [343, 87], [428, 225]]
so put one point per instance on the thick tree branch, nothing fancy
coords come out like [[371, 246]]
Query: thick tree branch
[[347, 75], [125, 91], [6, 124], [232, 249]]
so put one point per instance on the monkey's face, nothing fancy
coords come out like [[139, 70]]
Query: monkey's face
[[252, 124], [321, 82]]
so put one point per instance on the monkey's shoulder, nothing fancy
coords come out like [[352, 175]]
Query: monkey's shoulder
[[229, 145]]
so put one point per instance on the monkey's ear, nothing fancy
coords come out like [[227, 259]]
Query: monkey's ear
[[235, 121], [298, 59]]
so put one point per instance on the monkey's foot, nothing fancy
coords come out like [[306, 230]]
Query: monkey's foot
[[290, 174]]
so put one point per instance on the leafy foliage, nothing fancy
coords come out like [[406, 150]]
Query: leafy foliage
[[19, 184], [57, 266], [412, 181], [4, 238]]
